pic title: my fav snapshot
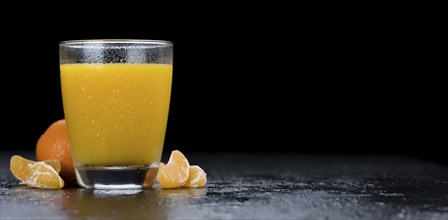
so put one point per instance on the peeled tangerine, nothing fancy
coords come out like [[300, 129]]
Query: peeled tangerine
[[196, 177], [37, 174], [178, 172], [175, 173]]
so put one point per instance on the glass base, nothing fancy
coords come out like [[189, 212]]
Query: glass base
[[116, 177]]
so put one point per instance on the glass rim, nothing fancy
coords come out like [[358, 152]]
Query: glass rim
[[117, 41]]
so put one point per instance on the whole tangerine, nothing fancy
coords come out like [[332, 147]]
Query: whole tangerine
[[53, 144]]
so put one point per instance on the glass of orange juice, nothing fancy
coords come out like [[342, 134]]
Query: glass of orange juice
[[116, 96]]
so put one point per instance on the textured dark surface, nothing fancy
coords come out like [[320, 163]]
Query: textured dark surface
[[254, 186]]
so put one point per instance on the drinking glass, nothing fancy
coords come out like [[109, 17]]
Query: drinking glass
[[116, 96]]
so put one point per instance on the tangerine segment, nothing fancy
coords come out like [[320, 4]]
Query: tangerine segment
[[19, 166], [175, 173], [179, 160], [35, 174], [196, 177], [22, 175]]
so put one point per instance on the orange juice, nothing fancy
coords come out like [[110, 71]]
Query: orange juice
[[116, 113]]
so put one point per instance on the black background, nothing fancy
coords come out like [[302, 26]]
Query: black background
[[274, 79]]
